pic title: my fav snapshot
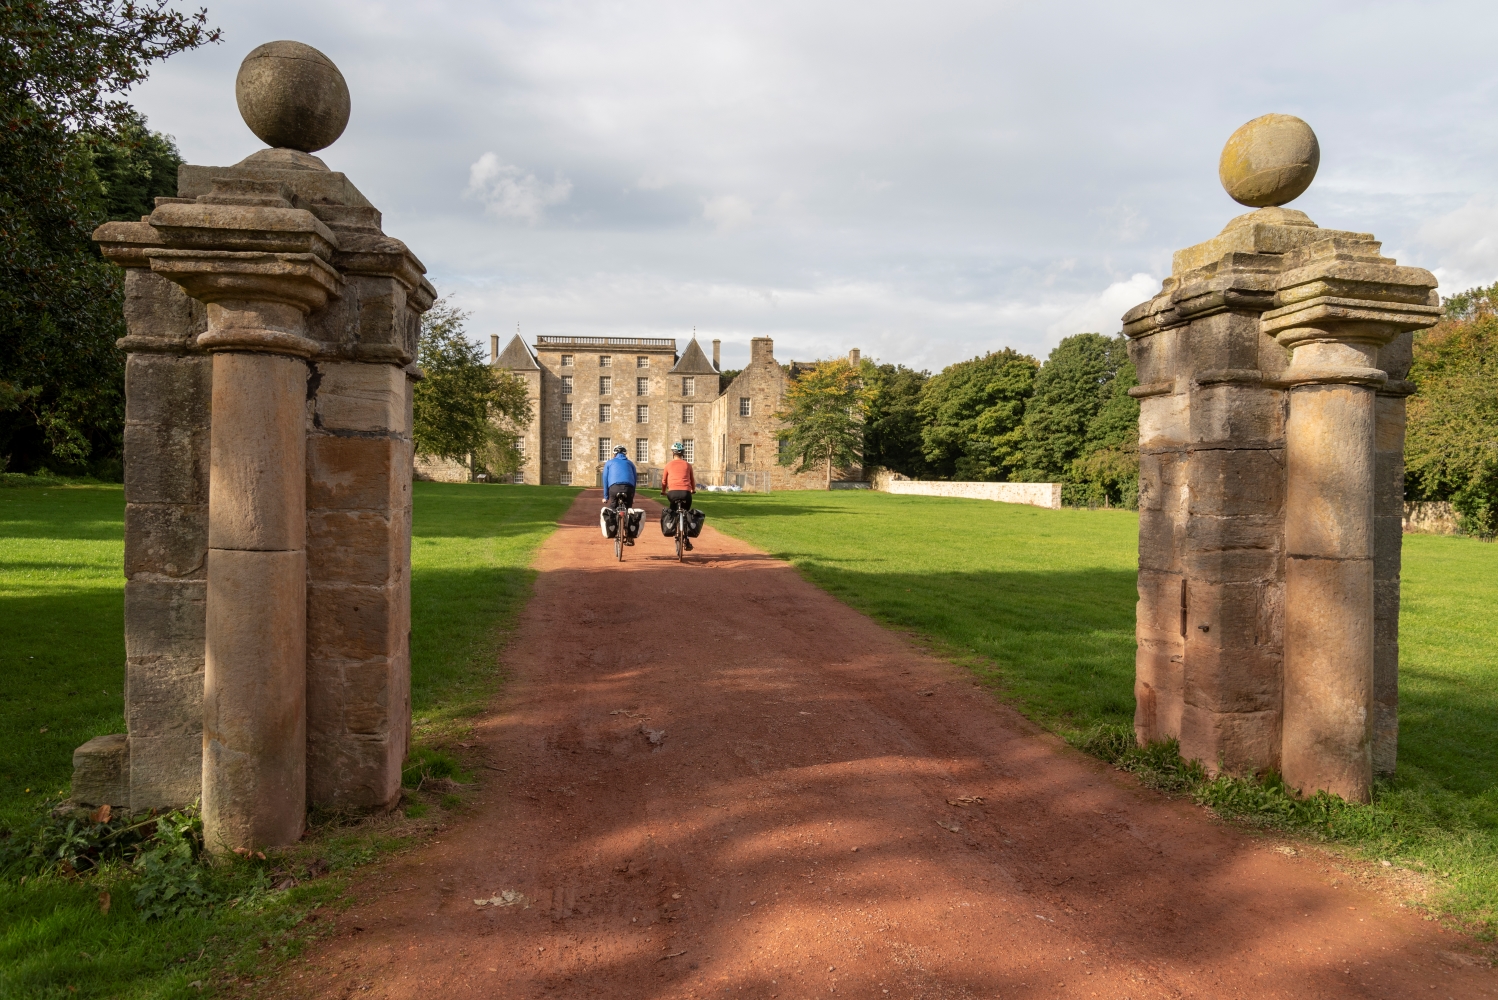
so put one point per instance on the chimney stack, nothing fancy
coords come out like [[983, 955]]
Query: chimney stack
[[853, 357], [493, 348], [717, 354]]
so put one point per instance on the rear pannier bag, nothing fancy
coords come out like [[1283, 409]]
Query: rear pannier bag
[[636, 522], [694, 522], [668, 522], [608, 522]]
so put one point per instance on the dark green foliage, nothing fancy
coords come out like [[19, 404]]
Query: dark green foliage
[[1451, 449], [466, 410], [428, 763], [824, 412], [133, 168], [972, 415], [1072, 390], [892, 430], [61, 397], [726, 377], [1158, 765]]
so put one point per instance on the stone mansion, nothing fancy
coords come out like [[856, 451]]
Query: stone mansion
[[590, 394]]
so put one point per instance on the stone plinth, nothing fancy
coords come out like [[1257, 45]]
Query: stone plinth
[[272, 326], [1271, 441]]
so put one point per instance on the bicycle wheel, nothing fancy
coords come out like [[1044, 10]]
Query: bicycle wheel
[[619, 544], [681, 532]]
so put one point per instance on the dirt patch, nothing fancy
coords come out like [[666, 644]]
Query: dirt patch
[[723, 782]]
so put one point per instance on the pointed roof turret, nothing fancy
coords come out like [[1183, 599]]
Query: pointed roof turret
[[517, 356], [694, 361]]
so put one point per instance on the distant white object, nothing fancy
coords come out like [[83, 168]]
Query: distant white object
[[1035, 494], [722, 489]]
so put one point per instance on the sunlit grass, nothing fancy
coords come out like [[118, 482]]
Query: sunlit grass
[[62, 660]]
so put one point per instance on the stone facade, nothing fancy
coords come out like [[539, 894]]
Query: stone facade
[[272, 331], [1271, 369], [590, 394]]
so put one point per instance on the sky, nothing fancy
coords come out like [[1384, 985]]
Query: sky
[[923, 181]]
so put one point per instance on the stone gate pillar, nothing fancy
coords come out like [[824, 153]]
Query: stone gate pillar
[[1271, 433], [272, 326]]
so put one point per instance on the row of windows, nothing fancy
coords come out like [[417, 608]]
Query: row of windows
[[607, 361], [642, 452], [642, 388], [642, 413]]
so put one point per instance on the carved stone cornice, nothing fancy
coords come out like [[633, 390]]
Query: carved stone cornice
[[256, 301]]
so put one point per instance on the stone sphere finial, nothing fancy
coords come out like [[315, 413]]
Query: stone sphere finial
[[1269, 161], [292, 96]]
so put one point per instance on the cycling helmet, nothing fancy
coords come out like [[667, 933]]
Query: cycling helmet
[[619, 449], [678, 449]]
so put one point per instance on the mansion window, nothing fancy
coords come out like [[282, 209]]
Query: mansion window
[[642, 386], [642, 414], [605, 447], [689, 414], [605, 385], [519, 479], [744, 408], [605, 361], [746, 453], [566, 449], [643, 361], [642, 450], [688, 386], [566, 385], [566, 361], [689, 449], [566, 413], [566, 479], [605, 413]]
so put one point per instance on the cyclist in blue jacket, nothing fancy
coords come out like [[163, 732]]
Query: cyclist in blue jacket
[[619, 480]]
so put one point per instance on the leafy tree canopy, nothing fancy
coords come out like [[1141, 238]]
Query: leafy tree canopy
[[1080, 404], [1451, 448], [464, 409], [824, 411], [972, 415], [69, 146], [892, 428]]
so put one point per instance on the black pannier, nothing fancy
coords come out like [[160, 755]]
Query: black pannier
[[608, 522], [668, 522], [635, 522], [695, 519]]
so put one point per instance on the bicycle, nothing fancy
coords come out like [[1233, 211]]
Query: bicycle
[[622, 518], [682, 512]]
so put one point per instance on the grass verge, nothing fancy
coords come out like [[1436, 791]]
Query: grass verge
[[80, 929], [1040, 604]]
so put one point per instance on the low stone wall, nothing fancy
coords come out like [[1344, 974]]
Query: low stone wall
[[431, 469], [1436, 518], [1034, 494]]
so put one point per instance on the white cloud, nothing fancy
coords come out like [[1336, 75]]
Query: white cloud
[[1101, 313], [507, 192], [1464, 244], [727, 212], [926, 182]]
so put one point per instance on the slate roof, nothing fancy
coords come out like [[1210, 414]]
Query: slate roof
[[517, 356], [694, 362]]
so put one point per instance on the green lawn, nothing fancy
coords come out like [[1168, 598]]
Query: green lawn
[[1041, 604], [62, 659]]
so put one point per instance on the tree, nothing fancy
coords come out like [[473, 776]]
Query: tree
[[892, 427], [1077, 381], [972, 414], [824, 410], [1451, 447], [61, 305], [464, 409]]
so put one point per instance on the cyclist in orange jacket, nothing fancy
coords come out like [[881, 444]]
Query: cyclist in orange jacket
[[678, 483]]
